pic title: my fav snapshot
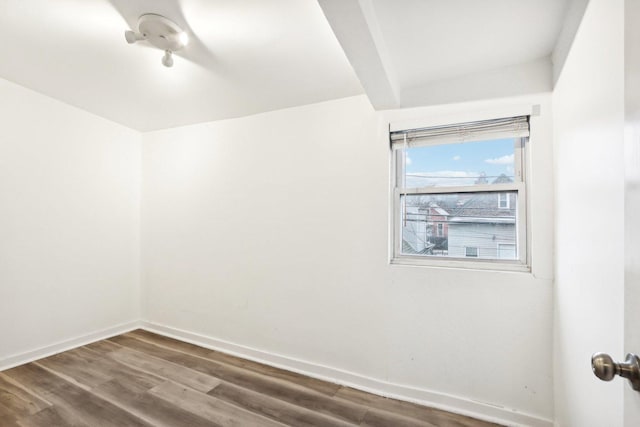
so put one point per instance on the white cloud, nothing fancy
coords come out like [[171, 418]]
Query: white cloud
[[504, 160], [407, 160], [456, 158]]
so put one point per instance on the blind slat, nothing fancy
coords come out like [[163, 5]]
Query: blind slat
[[511, 127]]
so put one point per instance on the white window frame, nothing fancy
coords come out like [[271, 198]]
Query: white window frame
[[519, 185], [440, 229]]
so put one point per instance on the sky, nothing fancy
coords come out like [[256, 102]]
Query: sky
[[459, 164]]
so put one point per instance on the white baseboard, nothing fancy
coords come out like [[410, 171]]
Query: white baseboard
[[425, 397], [49, 350]]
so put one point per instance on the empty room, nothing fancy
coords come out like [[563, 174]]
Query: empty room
[[320, 213]]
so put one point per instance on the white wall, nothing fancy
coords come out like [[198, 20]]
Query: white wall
[[271, 232], [69, 224], [632, 254], [588, 104], [632, 198]]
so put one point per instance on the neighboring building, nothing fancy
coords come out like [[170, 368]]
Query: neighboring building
[[425, 230], [477, 225], [484, 227], [437, 224], [415, 233]]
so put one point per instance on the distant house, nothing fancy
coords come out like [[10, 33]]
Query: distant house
[[437, 223], [484, 226], [425, 230], [476, 225], [415, 233]]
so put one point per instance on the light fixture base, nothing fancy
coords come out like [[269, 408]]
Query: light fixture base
[[161, 32]]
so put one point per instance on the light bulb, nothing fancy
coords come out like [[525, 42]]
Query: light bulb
[[167, 59], [183, 38]]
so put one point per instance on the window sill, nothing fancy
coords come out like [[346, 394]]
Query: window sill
[[458, 263]]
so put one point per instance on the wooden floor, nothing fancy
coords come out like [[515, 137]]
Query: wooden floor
[[144, 379]]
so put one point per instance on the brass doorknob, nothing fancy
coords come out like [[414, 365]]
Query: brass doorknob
[[606, 369]]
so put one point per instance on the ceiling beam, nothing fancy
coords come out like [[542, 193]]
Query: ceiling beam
[[573, 17], [355, 25], [515, 80]]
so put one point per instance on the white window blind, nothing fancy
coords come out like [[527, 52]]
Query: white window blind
[[511, 127]]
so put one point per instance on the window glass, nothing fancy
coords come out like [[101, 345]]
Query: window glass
[[467, 163], [503, 200], [447, 224]]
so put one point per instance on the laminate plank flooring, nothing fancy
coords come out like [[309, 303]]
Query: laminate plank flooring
[[168, 370], [73, 404], [144, 379], [286, 412], [312, 383], [18, 402]]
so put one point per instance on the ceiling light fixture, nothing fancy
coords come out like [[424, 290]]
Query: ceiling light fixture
[[161, 33]]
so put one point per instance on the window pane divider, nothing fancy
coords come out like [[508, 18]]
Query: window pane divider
[[488, 188]]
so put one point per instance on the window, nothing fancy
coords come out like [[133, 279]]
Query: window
[[459, 193], [503, 201]]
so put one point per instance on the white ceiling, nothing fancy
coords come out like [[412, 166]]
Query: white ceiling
[[419, 52], [244, 57], [251, 56], [465, 36]]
